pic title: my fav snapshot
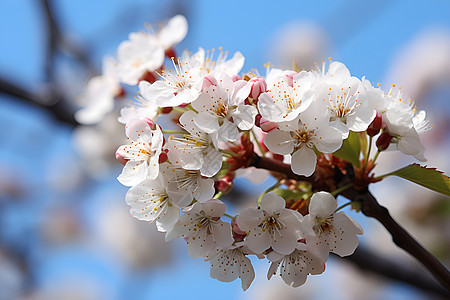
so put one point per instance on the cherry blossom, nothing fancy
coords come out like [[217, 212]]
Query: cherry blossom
[[301, 136], [229, 264], [202, 228], [196, 150], [295, 267], [222, 111], [151, 201], [142, 153], [272, 225], [333, 232]]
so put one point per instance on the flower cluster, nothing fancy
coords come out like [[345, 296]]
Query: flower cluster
[[176, 177]]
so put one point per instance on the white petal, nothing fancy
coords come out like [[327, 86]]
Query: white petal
[[272, 203], [279, 142], [322, 204], [205, 190], [212, 163], [244, 117], [214, 208], [166, 221], [174, 32], [269, 110], [258, 240], [361, 119], [207, 122], [133, 173], [329, 140], [222, 234], [304, 161], [249, 219]]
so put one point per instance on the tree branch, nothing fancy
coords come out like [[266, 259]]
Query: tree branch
[[371, 208]]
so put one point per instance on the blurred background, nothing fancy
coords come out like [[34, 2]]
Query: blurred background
[[65, 230]]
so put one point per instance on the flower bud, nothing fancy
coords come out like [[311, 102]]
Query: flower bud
[[258, 120], [266, 125], [383, 141], [120, 158], [259, 86], [150, 123], [208, 81], [224, 185], [238, 234], [166, 110], [235, 77], [375, 127], [290, 77], [162, 157]]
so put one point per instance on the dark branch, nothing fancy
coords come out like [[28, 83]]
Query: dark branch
[[366, 260], [54, 103], [371, 208]]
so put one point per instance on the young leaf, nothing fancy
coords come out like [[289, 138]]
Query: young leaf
[[350, 149], [428, 177]]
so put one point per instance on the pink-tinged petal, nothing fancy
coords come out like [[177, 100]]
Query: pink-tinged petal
[[279, 142], [205, 190], [304, 161], [207, 122], [222, 234], [322, 204], [214, 208], [249, 219], [272, 203], [133, 173], [258, 240]]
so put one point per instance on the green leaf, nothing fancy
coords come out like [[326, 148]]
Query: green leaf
[[350, 149], [428, 177]]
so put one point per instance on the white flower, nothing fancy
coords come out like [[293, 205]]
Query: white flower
[[173, 32], [98, 97], [142, 154], [187, 184], [181, 86], [401, 124], [300, 136], [221, 109], [272, 225], [210, 64], [347, 104], [151, 201], [196, 150], [334, 232], [284, 102], [140, 108], [141, 53], [229, 264], [202, 228], [295, 267]]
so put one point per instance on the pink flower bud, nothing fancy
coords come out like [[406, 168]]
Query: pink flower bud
[[224, 185], [120, 158], [162, 157], [150, 123], [258, 120], [375, 126], [208, 81], [383, 141], [259, 86], [238, 234], [235, 77], [267, 126], [290, 77], [166, 110]]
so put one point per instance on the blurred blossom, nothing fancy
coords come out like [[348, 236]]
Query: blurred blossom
[[135, 242], [303, 43], [12, 280], [422, 63], [96, 144]]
